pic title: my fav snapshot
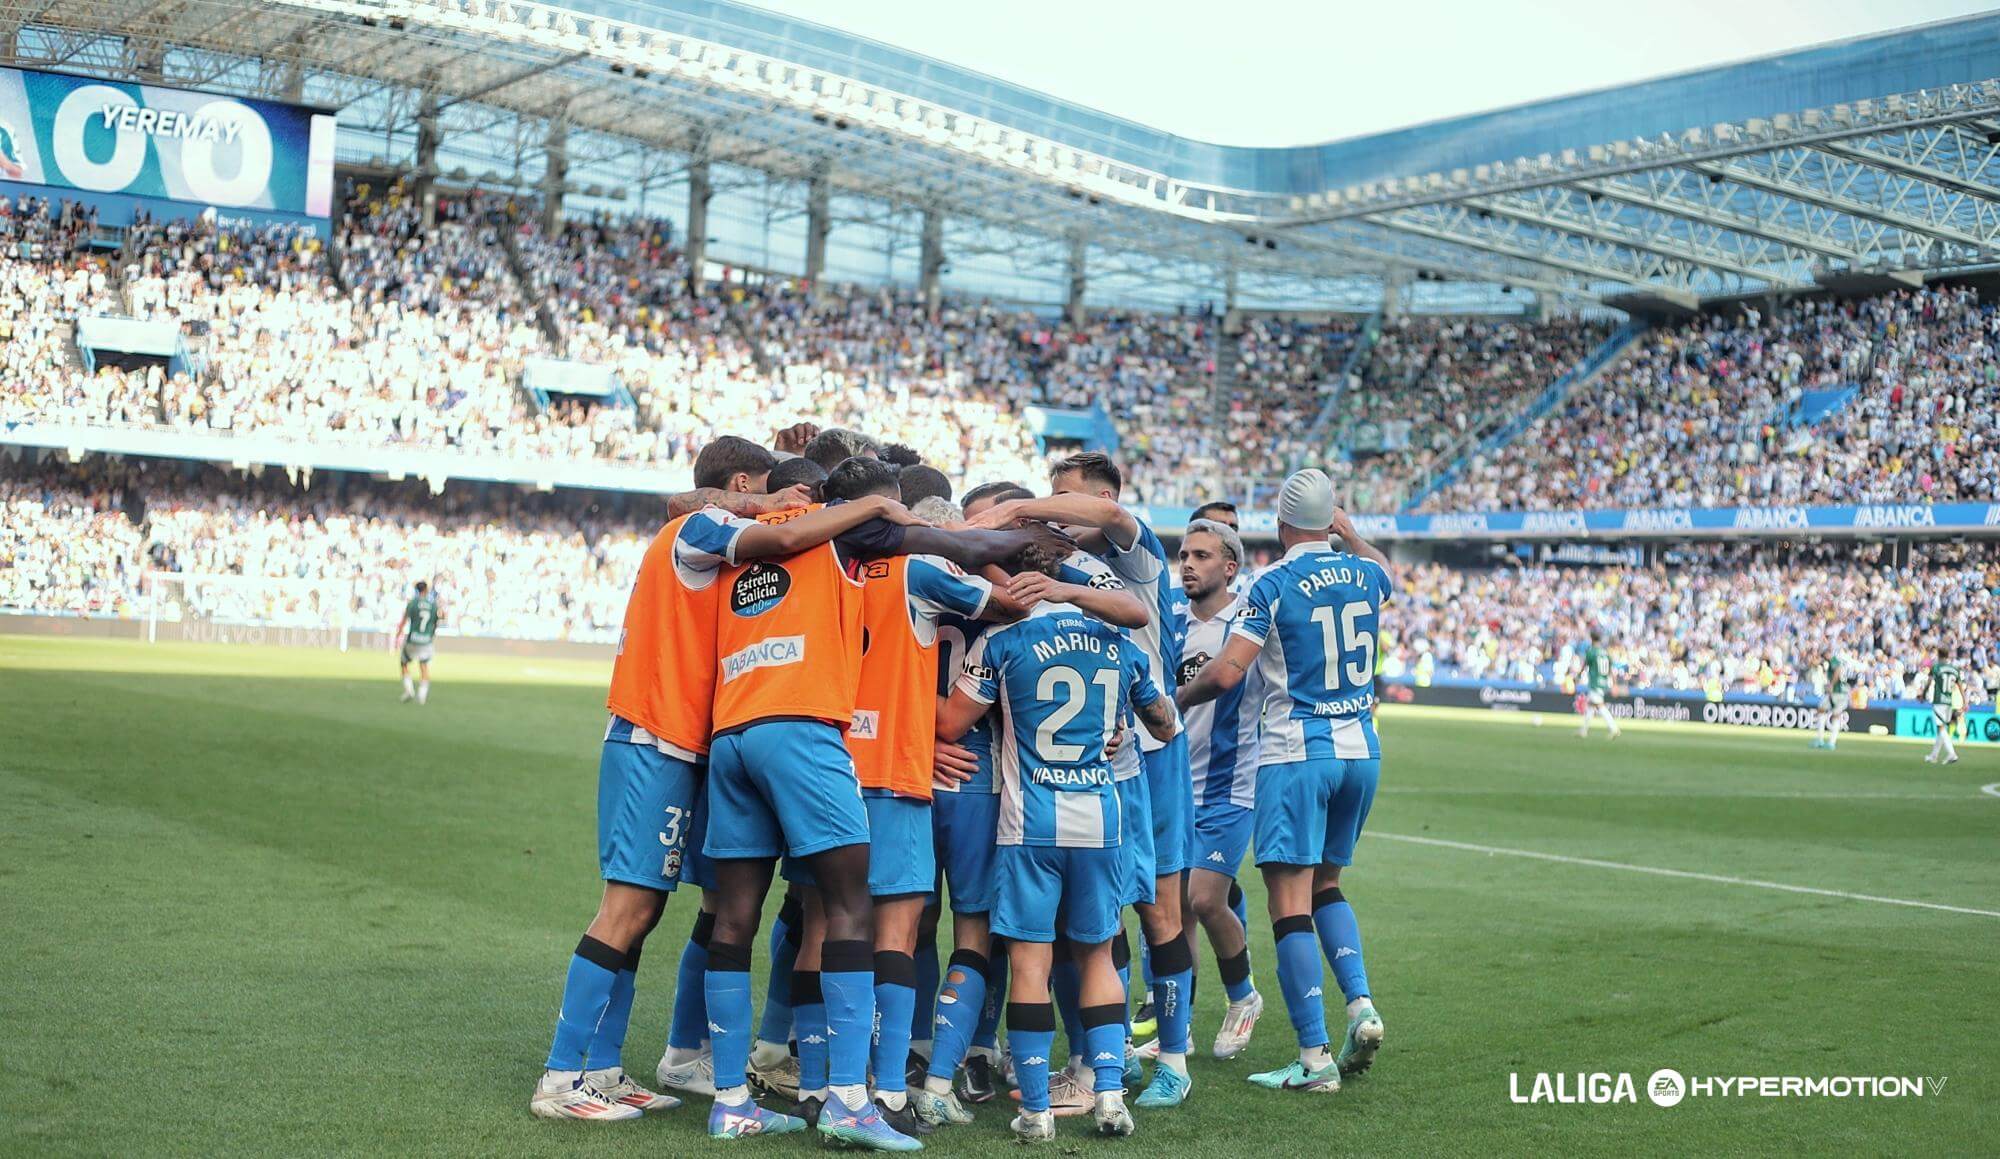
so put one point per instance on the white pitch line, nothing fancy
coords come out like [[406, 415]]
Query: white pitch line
[[1717, 878], [1992, 790], [1752, 794]]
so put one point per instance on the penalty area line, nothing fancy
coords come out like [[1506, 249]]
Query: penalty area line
[[1685, 874]]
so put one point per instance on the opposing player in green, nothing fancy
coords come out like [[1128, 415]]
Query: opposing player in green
[[1595, 698], [1836, 679], [1947, 696], [416, 634]]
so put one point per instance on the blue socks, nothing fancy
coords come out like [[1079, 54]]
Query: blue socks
[[895, 997], [809, 1015], [847, 978], [1300, 977], [1066, 985], [1104, 1046], [1031, 1032], [727, 989], [607, 1050], [987, 1035], [961, 1010], [593, 974], [1170, 972], [689, 1028], [776, 1023], [1340, 937]]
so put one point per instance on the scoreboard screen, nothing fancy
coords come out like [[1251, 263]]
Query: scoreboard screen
[[113, 141]]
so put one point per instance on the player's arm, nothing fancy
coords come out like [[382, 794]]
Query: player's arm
[[973, 548], [1072, 510], [1155, 711], [402, 623], [1116, 606], [977, 688], [736, 502], [1220, 674], [1343, 528], [764, 540]]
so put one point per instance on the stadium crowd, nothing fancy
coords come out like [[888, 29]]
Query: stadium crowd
[[1701, 415], [1717, 618]]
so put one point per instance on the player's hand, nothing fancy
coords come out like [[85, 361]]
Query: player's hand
[[953, 764], [1343, 527], [1032, 587], [1116, 742], [797, 495], [895, 512], [793, 439], [999, 517], [1047, 544]]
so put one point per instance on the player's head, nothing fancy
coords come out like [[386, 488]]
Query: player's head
[[835, 444], [796, 471], [1087, 473], [1220, 511], [937, 511], [901, 455], [422, 587], [987, 494], [1305, 507], [1211, 554], [858, 478], [736, 464], [922, 482]]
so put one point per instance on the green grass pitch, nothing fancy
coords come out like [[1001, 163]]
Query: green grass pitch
[[255, 905]]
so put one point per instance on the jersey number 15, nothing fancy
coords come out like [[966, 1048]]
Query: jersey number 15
[[1360, 643]]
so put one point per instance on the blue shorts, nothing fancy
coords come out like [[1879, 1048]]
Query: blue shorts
[[1222, 836], [646, 814], [1170, 793], [1311, 812], [1136, 851], [1035, 883], [696, 869], [899, 847], [963, 825], [782, 787]]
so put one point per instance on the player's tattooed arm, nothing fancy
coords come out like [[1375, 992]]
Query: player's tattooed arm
[[1159, 719], [1220, 674], [956, 714], [744, 503], [1115, 606], [816, 527]]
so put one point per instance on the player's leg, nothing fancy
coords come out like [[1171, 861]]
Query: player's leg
[[1170, 975], [1610, 721], [1333, 915], [409, 687], [1942, 747], [1091, 915], [901, 872], [686, 1065], [809, 1006], [423, 677], [923, 1017], [645, 809], [1291, 821], [773, 1069], [847, 980], [1031, 1031], [961, 1003], [742, 843], [1222, 836], [1582, 706]]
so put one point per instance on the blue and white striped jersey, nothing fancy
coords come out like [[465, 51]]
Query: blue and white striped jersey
[[1062, 680], [956, 637], [1083, 568], [1142, 564], [1222, 734], [1316, 613]]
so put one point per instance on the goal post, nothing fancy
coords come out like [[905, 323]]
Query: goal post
[[222, 607]]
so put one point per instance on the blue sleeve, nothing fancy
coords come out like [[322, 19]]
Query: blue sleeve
[[981, 678], [1138, 681], [945, 590], [1254, 622], [1385, 584], [1089, 571], [707, 540]]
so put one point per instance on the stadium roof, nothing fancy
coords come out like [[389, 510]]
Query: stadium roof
[[1871, 157]]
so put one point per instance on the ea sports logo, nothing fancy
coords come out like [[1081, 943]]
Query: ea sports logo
[[761, 587], [1666, 1088]]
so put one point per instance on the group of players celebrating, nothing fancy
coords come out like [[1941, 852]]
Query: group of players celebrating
[[1008, 708]]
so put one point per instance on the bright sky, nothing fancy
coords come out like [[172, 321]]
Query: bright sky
[[1269, 72]]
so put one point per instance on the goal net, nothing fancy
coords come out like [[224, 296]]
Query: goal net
[[220, 608]]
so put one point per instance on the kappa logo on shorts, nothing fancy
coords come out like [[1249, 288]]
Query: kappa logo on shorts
[[759, 588], [775, 652]]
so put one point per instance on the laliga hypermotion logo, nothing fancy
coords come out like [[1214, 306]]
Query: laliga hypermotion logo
[[1668, 1087]]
